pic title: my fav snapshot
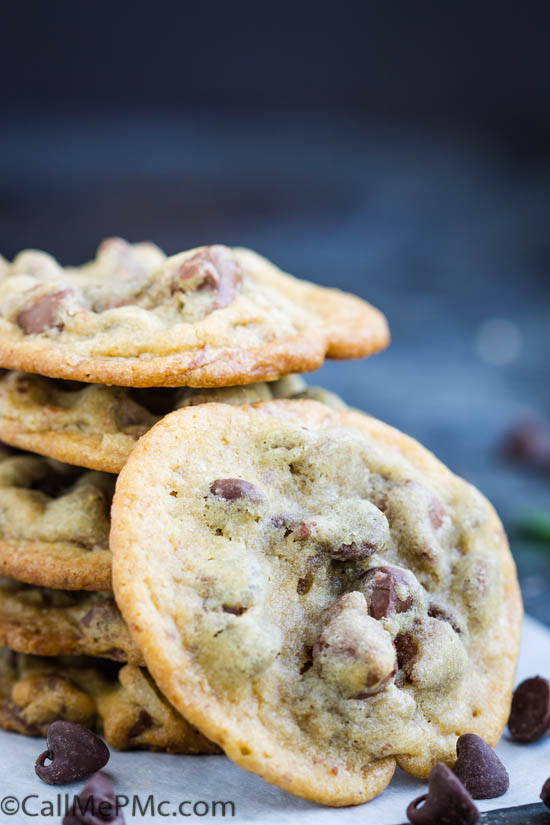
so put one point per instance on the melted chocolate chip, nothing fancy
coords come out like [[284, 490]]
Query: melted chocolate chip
[[446, 803], [231, 489], [99, 613], [530, 715], [545, 793], [236, 610], [43, 314], [142, 723], [304, 583], [354, 551], [299, 530], [479, 768], [435, 611], [214, 268], [95, 804], [73, 751], [406, 649], [384, 600]]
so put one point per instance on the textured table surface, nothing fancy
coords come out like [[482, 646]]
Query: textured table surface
[[444, 232]]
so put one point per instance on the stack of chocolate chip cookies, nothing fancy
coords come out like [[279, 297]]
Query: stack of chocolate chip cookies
[[201, 553]]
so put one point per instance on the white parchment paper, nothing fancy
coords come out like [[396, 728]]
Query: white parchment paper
[[205, 780]]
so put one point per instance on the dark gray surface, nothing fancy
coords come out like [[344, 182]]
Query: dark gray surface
[[443, 232]]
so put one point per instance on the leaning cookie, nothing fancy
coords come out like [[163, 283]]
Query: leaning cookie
[[54, 523], [95, 426], [63, 623], [211, 316], [316, 592], [122, 704]]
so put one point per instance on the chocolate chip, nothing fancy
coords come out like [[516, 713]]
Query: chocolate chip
[[479, 768], [446, 803], [236, 610], [231, 489], [530, 716], [214, 268], [384, 600], [303, 585], [99, 614], [95, 804], [142, 723], [299, 530], [528, 441], [545, 793], [305, 582], [354, 551], [406, 649], [435, 611], [43, 314], [73, 751]]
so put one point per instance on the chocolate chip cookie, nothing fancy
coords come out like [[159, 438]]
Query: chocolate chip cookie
[[97, 427], [316, 592], [208, 317], [54, 523], [123, 704], [63, 622]]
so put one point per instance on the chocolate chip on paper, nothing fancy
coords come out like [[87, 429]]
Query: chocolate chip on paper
[[479, 768], [73, 752], [530, 715], [446, 803], [95, 804]]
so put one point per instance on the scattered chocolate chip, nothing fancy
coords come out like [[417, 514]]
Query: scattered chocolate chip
[[43, 314], [143, 722], [384, 600], [354, 551], [446, 803], [530, 715], [479, 768], [545, 793], [231, 489], [95, 804], [406, 649], [435, 611], [73, 752], [529, 442]]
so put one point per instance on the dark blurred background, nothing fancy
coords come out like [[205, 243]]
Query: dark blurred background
[[398, 150]]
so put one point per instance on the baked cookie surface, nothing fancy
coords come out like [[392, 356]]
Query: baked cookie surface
[[316, 592], [211, 316], [54, 523], [47, 622], [122, 704], [95, 426]]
